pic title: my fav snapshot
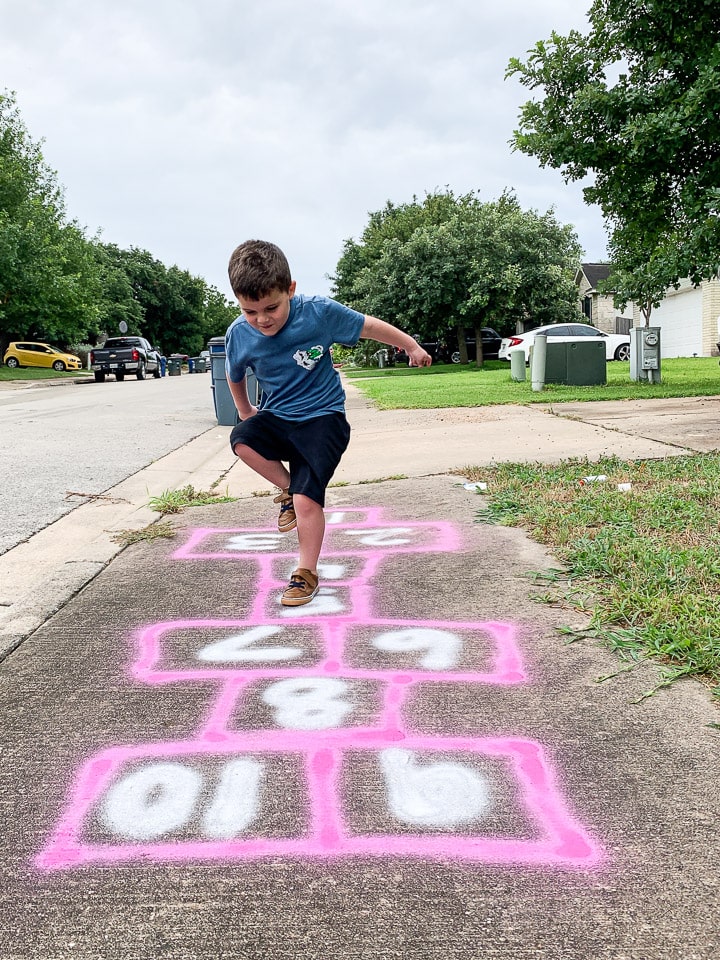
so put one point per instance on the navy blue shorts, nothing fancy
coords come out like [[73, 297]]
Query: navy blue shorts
[[311, 448]]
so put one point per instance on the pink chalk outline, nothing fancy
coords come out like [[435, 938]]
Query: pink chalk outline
[[440, 537], [561, 840], [507, 667]]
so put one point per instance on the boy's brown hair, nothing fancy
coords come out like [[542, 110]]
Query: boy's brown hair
[[258, 267]]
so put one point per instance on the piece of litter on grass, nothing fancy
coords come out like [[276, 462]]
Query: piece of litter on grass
[[624, 486], [475, 486]]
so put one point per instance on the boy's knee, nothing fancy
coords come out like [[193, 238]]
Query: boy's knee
[[305, 505], [242, 451]]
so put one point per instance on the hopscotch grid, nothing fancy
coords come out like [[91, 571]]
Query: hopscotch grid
[[563, 842]]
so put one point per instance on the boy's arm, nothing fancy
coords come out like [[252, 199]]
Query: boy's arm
[[374, 329], [242, 402]]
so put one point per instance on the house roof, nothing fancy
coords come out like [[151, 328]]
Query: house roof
[[595, 272]]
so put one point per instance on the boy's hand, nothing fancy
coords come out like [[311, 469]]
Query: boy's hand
[[418, 357]]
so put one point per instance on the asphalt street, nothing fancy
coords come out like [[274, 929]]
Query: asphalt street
[[415, 765], [64, 444]]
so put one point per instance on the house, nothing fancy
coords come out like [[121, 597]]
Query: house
[[689, 320], [689, 317], [598, 308]]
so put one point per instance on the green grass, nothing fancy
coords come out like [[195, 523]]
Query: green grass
[[449, 385], [154, 531], [39, 373], [644, 564], [175, 501]]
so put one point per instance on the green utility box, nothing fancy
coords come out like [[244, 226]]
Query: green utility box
[[580, 364]]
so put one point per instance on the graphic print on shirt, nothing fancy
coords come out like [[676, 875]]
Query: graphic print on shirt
[[308, 359]]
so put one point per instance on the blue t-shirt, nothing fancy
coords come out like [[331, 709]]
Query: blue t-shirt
[[294, 367]]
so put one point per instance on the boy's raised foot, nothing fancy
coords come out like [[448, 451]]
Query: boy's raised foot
[[287, 519], [302, 588]]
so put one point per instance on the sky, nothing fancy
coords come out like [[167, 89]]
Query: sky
[[184, 127]]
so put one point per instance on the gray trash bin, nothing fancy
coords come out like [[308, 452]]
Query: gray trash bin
[[225, 410]]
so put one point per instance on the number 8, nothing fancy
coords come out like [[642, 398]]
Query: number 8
[[308, 703]]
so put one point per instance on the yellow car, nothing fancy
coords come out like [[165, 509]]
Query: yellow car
[[40, 355]]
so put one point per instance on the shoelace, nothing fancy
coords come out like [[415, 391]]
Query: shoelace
[[288, 505], [297, 583]]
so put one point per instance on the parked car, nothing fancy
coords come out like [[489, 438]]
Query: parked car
[[396, 355], [491, 341], [121, 355], [40, 355], [441, 350], [617, 345]]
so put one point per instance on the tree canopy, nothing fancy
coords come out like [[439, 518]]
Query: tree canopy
[[58, 285], [448, 263], [48, 276], [633, 105]]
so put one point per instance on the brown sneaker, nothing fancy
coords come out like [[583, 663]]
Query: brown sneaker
[[287, 519], [302, 588]]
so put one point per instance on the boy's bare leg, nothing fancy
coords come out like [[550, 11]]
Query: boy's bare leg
[[271, 470], [310, 530]]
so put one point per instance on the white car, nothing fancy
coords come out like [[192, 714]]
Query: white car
[[617, 345]]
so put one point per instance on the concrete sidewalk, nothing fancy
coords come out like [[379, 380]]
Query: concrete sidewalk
[[39, 575], [415, 765]]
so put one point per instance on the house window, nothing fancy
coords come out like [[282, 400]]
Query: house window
[[587, 307]]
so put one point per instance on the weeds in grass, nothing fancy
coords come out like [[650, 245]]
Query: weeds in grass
[[643, 564], [155, 531], [175, 501]]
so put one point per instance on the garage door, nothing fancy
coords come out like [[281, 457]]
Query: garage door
[[680, 319]]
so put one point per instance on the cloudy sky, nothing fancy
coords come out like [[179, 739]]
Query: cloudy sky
[[186, 126]]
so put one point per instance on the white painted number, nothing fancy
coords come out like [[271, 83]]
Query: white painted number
[[441, 648], [432, 794], [325, 603], [235, 649], [253, 542], [308, 703], [158, 798], [236, 801], [152, 801], [384, 537]]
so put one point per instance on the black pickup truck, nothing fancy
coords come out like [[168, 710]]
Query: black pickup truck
[[121, 355]]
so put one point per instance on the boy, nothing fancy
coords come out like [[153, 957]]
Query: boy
[[286, 341]]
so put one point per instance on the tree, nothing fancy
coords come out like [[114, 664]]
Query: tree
[[633, 104], [170, 307], [49, 278], [58, 285], [447, 263]]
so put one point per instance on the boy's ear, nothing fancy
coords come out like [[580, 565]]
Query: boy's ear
[[291, 288]]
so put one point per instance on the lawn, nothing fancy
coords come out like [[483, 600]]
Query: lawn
[[449, 385], [40, 373], [644, 564]]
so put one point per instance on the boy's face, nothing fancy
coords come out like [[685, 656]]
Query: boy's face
[[268, 315]]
